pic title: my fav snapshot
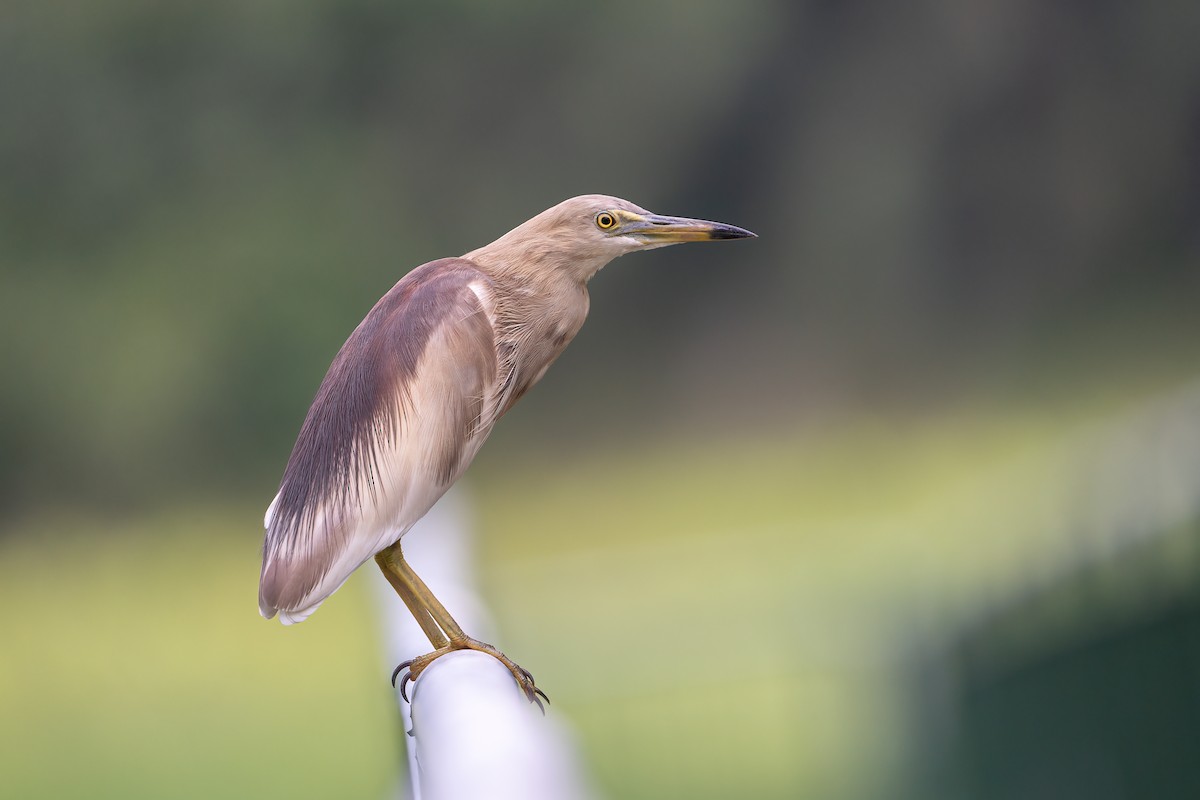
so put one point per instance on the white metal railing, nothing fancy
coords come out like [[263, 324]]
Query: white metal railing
[[472, 732]]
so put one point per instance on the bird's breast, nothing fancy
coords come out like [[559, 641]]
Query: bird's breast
[[533, 328]]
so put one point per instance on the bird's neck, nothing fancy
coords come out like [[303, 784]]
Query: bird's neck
[[537, 307], [536, 258]]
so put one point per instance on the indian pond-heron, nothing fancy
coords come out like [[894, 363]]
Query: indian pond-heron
[[415, 391]]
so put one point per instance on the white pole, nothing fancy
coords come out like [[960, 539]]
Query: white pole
[[473, 733]]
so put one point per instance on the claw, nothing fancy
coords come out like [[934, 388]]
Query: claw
[[523, 676], [396, 671], [534, 693]]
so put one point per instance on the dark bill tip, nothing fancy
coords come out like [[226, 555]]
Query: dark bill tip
[[723, 231]]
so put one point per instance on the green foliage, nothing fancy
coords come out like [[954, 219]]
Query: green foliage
[[137, 667], [733, 618], [977, 229], [199, 203]]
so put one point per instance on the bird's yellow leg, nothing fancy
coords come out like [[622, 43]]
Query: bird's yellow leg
[[444, 633], [436, 637]]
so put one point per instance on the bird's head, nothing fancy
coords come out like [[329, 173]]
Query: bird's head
[[583, 234]]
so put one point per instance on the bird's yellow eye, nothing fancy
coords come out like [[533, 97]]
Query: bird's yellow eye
[[605, 221]]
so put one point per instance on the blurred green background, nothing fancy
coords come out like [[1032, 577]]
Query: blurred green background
[[901, 499]]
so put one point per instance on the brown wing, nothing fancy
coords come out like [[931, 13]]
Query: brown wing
[[398, 417]]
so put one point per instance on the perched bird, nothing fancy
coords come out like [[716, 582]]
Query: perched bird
[[415, 391]]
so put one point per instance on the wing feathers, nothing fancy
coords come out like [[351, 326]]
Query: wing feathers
[[398, 417]]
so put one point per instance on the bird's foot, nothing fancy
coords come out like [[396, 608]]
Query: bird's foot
[[416, 666]]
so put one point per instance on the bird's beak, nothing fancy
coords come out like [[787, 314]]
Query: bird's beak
[[656, 230]]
